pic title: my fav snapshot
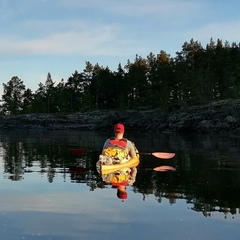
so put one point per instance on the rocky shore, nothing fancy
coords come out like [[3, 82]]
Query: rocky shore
[[221, 116]]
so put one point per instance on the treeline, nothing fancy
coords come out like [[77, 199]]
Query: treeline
[[196, 75]]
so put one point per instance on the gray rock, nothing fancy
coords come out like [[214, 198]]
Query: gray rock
[[221, 116]]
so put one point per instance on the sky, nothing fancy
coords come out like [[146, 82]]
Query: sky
[[38, 37]]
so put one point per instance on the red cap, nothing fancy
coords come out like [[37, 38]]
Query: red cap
[[122, 195], [119, 127]]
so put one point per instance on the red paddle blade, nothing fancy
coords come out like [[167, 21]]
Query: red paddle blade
[[164, 169], [163, 155], [78, 150], [80, 170]]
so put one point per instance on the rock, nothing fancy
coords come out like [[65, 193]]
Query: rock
[[221, 116]]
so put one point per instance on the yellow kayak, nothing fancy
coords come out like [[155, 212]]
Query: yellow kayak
[[108, 168]]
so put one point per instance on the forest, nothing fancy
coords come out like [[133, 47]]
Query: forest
[[197, 75]]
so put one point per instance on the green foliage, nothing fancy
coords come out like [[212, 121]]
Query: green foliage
[[196, 75], [13, 96]]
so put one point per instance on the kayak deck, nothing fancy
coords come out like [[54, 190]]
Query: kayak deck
[[108, 168]]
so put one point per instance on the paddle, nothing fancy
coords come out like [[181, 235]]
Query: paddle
[[163, 155], [164, 168], [76, 169], [78, 150]]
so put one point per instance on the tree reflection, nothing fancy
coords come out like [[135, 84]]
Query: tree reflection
[[209, 183]]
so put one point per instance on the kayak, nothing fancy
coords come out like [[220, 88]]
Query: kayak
[[108, 168]]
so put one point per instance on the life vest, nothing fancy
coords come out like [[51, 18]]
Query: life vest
[[117, 149], [120, 143], [119, 178]]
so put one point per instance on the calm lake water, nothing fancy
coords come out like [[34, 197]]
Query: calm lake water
[[48, 193]]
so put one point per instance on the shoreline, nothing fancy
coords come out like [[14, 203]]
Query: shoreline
[[221, 116]]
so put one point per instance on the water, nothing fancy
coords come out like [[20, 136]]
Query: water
[[47, 193]]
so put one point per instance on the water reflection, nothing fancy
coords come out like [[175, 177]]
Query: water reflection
[[208, 181], [120, 180]]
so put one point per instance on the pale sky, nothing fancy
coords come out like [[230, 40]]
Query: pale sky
[[59, 36]]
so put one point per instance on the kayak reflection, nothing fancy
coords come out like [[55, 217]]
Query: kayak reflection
[[120, 179]]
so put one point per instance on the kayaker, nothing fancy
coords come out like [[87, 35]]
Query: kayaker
[[118, 147]]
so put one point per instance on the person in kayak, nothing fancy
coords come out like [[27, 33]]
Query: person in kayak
[[118, 149]]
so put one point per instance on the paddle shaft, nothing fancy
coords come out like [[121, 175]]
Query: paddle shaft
[[141, 153], [163, 155]]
